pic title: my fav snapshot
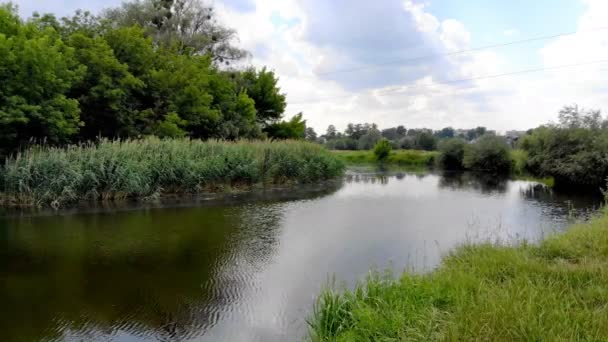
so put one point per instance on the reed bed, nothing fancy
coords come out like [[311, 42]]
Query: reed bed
[[116, 170]]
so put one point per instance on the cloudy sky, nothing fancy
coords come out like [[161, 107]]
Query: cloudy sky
[[392, 61]]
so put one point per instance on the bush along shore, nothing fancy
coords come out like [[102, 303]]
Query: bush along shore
[[117, 170], [556, 290]]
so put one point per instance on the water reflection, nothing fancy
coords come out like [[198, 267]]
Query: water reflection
[[162, 274], [246, 267]]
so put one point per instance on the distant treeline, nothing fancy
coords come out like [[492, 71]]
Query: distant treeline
[[148, 67], [365, 136], [573, 151]]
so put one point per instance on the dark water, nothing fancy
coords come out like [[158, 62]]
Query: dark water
[[247, 268]]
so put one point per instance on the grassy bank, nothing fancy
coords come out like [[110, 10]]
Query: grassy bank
[[554, 291], [398, 157], [113, 170]]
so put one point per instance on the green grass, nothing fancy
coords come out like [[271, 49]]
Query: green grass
[[114, 170], [554, 291], [396, 157]]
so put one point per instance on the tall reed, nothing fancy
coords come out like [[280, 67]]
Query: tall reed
[[111, 170]]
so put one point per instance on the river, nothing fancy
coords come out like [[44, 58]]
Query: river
[[248, 267]]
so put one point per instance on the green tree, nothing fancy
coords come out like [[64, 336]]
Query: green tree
[[331, 132], [382, 149], [262, 87], [573, 156], [490, 153], [171, 127], [311, 135], [426, 141], [106, 92], [37, 70], [451, 155], [445, 133], [187, 26], [369, 139], [292, 129]]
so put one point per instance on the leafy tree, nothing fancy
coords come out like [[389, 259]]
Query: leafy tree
[[426, 141], [342, 144], [37, 70], [575, 117], [188, 26], [369, 139], [310, 134], [382, 149], [401, 131], [292, 129], [451, 155], [171, 127], [356, 131], [106, 91], [445, 133], [490, 153], [573, 156], [331, 132], [262, 87]]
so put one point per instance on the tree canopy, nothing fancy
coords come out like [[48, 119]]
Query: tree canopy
[[149, 67]]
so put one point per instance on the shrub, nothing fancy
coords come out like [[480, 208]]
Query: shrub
[[573, 156], [382, 149], [451, 154], [490, 153]]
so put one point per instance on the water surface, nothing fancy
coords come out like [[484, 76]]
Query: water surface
[[247, 267]]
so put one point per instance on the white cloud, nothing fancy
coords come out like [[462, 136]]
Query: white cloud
[[303, 40]]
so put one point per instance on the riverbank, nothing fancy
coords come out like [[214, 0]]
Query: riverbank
[[413, 158], [149, 168], [556, 290]]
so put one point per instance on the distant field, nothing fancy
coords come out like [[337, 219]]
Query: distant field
[[398, 157]]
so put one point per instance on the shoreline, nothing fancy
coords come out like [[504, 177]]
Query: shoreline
[[553, 290]]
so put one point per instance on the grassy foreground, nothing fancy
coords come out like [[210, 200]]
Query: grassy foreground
[[113, 170], [554, 291], [396, 157]]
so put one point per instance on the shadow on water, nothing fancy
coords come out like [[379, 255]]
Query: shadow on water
[[482, 182], [162, 274]]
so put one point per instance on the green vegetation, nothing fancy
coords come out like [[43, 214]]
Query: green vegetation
[[554, 291], [113, 170], [489, 153], [146, 68], [519, 161], [365, 136], [398, 157], [574, 152], [451, 155], [382, 149]]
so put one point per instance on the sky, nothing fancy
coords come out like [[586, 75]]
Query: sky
[[393, 62]]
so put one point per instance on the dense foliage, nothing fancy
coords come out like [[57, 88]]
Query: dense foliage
[[146, 68], [452, 154], [382, 149], [143, 168], [490, 153], [574, 151]]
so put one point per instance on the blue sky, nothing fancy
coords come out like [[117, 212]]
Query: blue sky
[[306, 41]]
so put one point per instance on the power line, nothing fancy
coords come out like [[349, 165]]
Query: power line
[[513, 73], [485, 47]]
